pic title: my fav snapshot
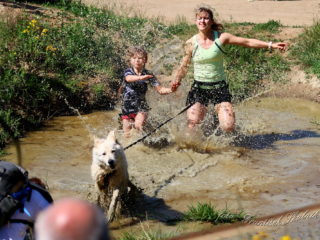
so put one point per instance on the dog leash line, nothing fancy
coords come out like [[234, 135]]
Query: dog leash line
[[156, 128]]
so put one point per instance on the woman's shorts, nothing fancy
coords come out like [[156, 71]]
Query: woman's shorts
[[218, 94]]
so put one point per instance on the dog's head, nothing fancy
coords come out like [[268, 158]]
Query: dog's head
[[108, 153]]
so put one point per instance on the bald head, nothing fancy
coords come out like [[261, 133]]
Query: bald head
[[71, 219]]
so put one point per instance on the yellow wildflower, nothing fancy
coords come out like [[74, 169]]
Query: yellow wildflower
[[260, 236], [256, 237], [82, 84], [36, 38], [32, 23], [25, 31], [50, 48], [285, 237], [263, 234], [44, 31]]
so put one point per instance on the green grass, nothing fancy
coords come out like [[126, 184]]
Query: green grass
[[202, 212], [206, 212], [271, 26], [147, 235], [307, 49], [247, 67]]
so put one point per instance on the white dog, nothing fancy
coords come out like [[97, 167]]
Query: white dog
[[109, 170]]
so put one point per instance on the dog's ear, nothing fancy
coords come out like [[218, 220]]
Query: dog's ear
[[112, 136]]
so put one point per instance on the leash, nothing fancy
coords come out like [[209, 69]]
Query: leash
[[156, 128]]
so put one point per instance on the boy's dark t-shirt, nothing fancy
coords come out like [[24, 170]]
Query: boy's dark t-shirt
[[134, 93]]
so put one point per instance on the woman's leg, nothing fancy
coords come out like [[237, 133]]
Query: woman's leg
[[226, 116], [195, 114], [140, 120]]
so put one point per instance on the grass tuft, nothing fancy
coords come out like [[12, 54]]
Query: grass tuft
[[206, 212]]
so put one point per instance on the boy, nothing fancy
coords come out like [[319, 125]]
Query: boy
[[135, 86]]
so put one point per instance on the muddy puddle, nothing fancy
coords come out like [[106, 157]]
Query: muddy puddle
[[270, 165]]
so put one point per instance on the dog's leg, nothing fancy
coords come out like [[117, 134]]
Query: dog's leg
[[113, 205]]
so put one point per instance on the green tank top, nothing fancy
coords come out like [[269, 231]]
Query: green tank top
[[208, 63]]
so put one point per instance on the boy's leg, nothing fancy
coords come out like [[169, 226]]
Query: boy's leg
[[226, 116], [127, 126], [140, 120]]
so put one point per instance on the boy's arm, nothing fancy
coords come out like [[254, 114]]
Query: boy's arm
[[134, 78], [163, 90]]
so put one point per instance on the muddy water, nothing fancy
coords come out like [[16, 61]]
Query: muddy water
[[270, 165]]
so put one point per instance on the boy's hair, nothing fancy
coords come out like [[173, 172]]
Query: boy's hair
[[137, 50]]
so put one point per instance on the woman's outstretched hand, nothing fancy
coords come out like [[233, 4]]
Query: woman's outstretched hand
[[281, 46]]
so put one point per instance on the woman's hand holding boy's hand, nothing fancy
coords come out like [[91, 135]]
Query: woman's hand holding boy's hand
[[174, 85], [163, 90]]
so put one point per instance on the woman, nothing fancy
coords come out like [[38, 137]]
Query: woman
[[205, 49]]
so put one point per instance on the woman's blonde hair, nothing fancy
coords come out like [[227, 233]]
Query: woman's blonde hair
[[215, 26]]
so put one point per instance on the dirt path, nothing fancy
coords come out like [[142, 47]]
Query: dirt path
[[291, 13]]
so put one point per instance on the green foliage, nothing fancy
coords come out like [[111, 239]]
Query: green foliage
[[271, 26], [255, 65], [307, 49], [207, 213], [76, 7], [41, 65], [9, 126], [75, 57], [246, 67], [182, 29]]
